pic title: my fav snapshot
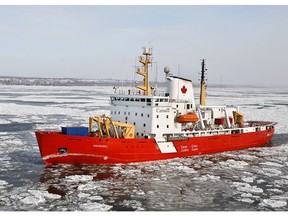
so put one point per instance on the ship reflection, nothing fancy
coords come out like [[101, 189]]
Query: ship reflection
[[57, 172]]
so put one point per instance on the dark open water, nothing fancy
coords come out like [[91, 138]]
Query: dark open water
[[253, 179]]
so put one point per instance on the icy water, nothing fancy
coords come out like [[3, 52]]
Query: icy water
[[254, 179]]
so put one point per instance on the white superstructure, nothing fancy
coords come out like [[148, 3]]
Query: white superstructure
[[158, 115]]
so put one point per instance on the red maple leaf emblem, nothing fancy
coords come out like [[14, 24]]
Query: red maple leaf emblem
[[183, 89]]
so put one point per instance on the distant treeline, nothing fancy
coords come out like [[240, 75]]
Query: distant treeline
[[31, 81]]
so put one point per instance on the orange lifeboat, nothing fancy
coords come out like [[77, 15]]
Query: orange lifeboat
[[189, 117]]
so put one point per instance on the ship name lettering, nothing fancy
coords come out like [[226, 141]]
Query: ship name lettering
[[160, 110], [100, 146], [184, 148]]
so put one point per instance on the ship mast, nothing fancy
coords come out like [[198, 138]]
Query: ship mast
[[202, 85], [145, 60]]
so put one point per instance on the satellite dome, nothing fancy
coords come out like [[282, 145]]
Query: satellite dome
[[166, 70]]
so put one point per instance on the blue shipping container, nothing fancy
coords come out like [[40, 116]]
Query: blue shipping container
[[75, 131]]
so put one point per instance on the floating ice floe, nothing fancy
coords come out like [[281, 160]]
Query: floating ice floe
[[275, 190], [87, 187], [83, 195], [138, 192], [247, 157], [38, 197], [185, 169], [3, 184], [248, 179], [95, 198], [95, 207], [245, 187], [246, 200], [272, 164], [233, 164], [273, 203], [79, 178], [206, 177], [271, 172]]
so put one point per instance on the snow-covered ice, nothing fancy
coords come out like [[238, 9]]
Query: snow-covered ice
[[252, 179]]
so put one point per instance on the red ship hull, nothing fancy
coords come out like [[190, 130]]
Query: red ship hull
[[57, 148]]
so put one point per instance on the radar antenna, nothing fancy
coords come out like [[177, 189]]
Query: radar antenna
[[145, 60]]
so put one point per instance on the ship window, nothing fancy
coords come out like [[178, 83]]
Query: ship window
[[157, 116], [167, 126], [149, 100], [134, 123], [188, 106], [119, 113], [128, 113], [142, 99], [135, 114], [144, 125], [156, 104], [137, 134], [142, 134], [166, 100], [136, 99], [126, 99], [141, 114], [131, 99], [157, 126], [148, 115], [157, 100], [161, 100], [124, 113], [177, 106]]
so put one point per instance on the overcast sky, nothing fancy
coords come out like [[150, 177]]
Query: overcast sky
[[241, 44]]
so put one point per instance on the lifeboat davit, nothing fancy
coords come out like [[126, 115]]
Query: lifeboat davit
[[188, 118]]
